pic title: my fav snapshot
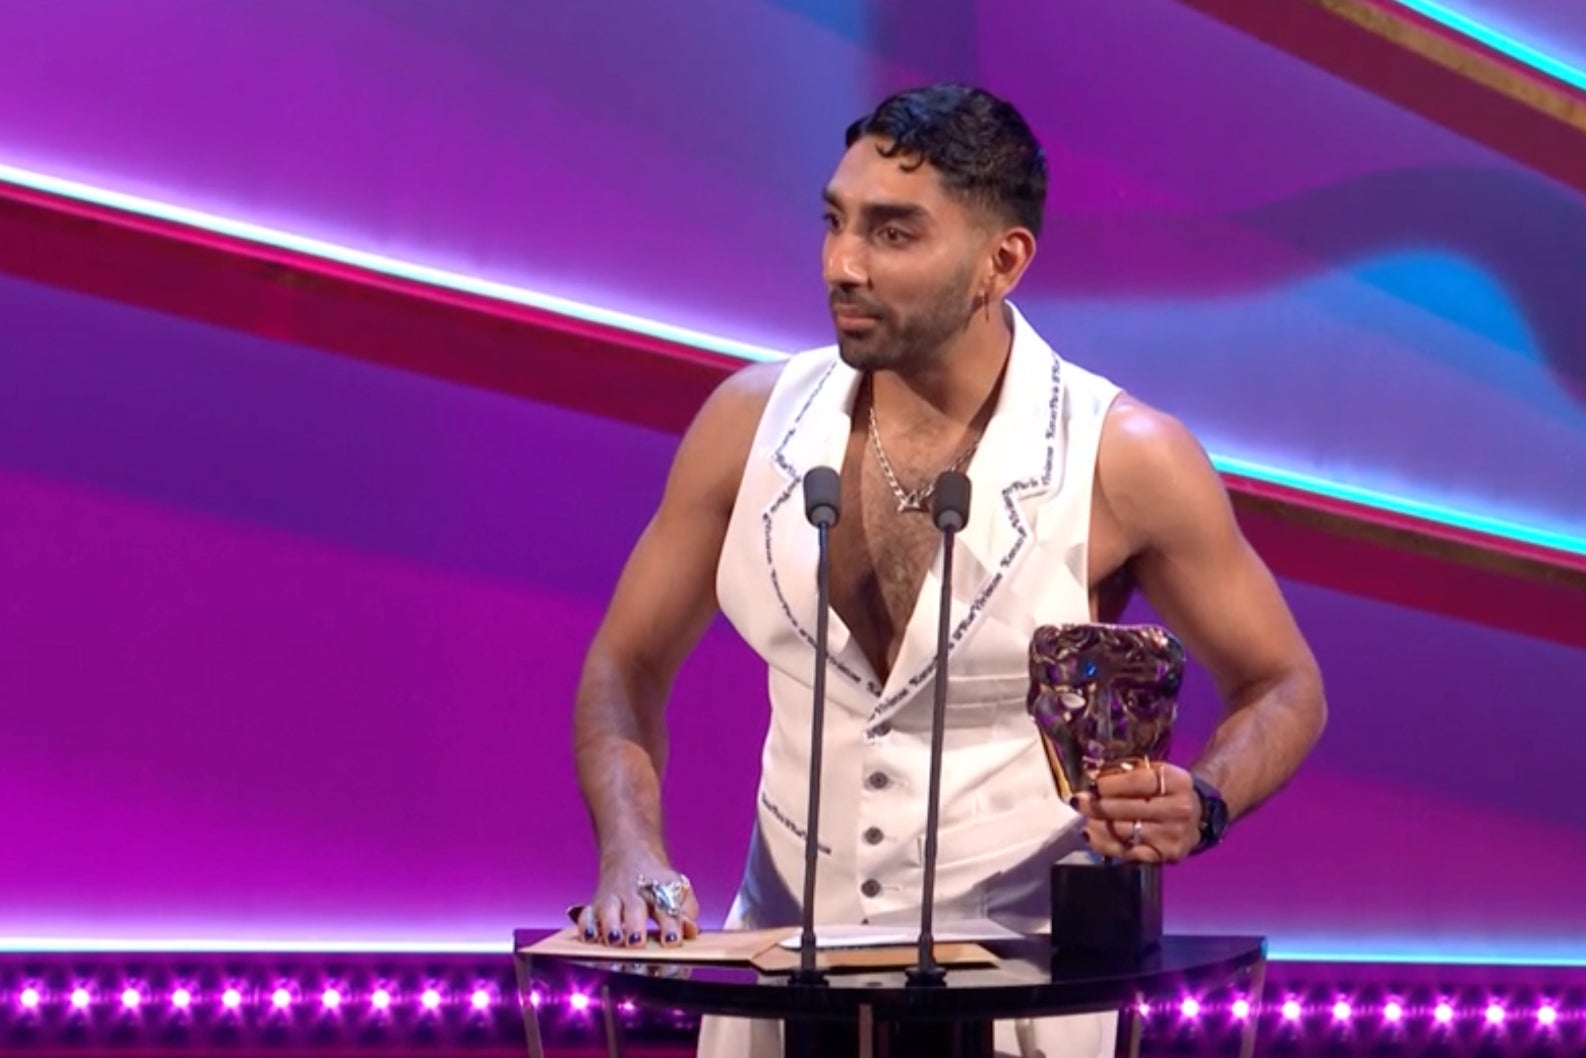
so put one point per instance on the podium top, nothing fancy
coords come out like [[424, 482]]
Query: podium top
[[1026, 977]]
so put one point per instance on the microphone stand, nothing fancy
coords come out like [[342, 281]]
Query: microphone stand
[[951, 512], [822, 493]]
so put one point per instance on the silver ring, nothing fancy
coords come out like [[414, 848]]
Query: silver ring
[[666, 897], [1134, 834]]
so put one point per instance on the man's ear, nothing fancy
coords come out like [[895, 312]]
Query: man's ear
[[1010, 256]]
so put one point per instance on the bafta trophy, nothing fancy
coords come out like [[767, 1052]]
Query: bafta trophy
[[1104, 698]]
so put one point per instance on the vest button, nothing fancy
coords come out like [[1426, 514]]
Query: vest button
[[871, 888], [877, 780], [873, 836]]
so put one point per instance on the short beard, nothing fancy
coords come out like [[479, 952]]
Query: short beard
[[919, 341]]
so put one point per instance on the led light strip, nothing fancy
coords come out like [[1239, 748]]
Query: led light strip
[[222, 1003], [282, 240], [1430, 512], [280, 997], [13, 948], [1499, 42], [284, 996], [223, 945], [243, 230], [271, 996]]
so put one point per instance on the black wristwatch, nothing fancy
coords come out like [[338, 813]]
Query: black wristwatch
[[1214, 815]]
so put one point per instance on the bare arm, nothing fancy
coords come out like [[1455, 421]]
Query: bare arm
[[1196, 568], [663, 601]]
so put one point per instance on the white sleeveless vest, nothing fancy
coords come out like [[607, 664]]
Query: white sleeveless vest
[[1020, 562]]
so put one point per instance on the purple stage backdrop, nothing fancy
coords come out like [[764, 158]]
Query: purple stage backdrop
[[288, 643], [1310, 276]]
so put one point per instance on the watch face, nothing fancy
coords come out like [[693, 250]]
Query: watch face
[[1214, 813], [1216, 816]]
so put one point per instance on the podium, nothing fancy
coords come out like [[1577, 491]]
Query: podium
[[871, 1014]]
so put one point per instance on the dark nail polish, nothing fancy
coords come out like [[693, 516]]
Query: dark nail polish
[[614, 936], [589, 932], [635, 938], [671, 938], [1073, 802]]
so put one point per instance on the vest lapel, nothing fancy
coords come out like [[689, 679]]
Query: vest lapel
[[1018, 462], [818, 436]]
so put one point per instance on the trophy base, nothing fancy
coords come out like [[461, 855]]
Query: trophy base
[[1107, 910]]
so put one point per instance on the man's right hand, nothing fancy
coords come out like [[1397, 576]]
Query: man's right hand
[[663, 603], [620, 913]]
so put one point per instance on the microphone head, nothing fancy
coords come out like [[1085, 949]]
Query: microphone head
[[822, 496], [950, 508]]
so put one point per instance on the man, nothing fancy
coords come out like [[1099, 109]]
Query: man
[[1081, 495]]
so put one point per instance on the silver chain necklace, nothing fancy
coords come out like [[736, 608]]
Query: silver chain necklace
[[916, 499]]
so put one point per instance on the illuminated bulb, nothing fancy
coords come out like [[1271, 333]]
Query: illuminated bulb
[[31, 998], [1494, 1014], [130, 998], [80, 998], [431, 999], [281, 998], [181, 999], [1443, 1013], [331, 998], [1548, 1015], [381, 999], [1393, 1012], [1191, 1008], [480, 999], [1291, 1010], [1341, 1011], [231, 999], [1241, 1009], [578, 1001]]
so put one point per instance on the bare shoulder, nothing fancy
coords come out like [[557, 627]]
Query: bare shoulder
[[1139, 439], [744, 393], [731, 414], [711, 458], [1154, 478]]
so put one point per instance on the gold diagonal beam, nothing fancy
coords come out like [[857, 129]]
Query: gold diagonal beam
[[1470, 59], [1429, 69]]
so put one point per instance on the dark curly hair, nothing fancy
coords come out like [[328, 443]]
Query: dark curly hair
[[980, 144]]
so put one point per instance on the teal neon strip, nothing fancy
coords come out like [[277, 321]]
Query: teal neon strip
[[713, 343], [1499, 42], [1383, 501], [386, 265]]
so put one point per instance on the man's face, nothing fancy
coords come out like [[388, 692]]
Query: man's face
[[902, 260]]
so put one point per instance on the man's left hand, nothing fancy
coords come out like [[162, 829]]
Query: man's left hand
[[1148, 815]]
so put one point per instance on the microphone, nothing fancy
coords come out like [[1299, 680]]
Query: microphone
[[822, 505], [950, 511], [822, 497]]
